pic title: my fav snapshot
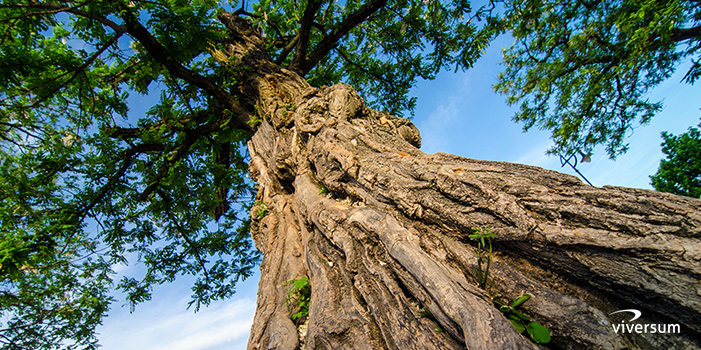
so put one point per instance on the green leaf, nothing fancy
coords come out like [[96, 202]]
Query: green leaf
[[538, 333], [301, 283], [584, 70], [680, 172], [520, 300], [518, 324]]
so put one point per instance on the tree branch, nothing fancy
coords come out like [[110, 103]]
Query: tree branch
[[681, 34], [78, 216], [134, 28], [75, 72], [160, 53], [362, 68], [127, 161], [337, 32], [305, 26], [286, 51], [179, 152], [181, 230], [74, 10]]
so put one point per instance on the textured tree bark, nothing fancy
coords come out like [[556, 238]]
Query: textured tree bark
[[391, 236]]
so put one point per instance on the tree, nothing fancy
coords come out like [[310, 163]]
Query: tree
[[582, 69], [343, 195], [680, 173], [88, 183]]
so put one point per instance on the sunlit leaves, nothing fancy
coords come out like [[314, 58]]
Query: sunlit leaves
[[582, 69], [680, 172]]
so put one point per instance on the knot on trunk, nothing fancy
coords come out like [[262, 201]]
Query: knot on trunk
[[344, 102], [411, 134]]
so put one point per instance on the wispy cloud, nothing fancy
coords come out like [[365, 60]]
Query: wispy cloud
[[435, 129], [535, 155], [169, 325]]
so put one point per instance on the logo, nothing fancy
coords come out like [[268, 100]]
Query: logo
[[647, 328]]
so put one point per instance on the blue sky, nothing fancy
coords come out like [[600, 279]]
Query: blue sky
[[457, 113]]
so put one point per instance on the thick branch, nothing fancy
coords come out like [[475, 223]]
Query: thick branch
[[180, 151], [160, 53], [134, 133], [286, 51], [329, 41], [681, 34], [134, 28], [299, 61]]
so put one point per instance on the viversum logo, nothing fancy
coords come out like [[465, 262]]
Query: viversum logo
[[624, 327]]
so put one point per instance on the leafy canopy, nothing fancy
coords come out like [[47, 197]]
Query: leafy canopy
[[680, 173], [582, 68], [91, 179]]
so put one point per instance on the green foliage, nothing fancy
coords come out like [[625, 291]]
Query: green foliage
[[582, 69], [299, 294], [484, 240], [323, 190], [261, 209], [521, 322], [680, 173], [81, 194]]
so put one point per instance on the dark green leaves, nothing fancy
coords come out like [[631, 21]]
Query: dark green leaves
[[582, 69], [89, 179], [521, 322], [680, 173]]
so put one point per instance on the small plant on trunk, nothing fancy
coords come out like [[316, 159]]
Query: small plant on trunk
[[298, 295], [261, 210], [521, 322], [484, 256], [425, 313]]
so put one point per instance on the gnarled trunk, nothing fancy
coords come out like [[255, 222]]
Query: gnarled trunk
[[390, 237]]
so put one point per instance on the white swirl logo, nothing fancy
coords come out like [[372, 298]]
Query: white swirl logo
[[636, 313]]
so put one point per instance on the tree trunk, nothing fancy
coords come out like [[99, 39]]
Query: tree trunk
[[390, 237]]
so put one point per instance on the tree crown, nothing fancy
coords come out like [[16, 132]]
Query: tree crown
[[582, 69]]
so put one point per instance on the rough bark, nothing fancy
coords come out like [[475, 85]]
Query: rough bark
[[391, 236]]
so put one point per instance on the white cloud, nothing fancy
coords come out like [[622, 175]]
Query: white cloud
[[435, 130], [536, 155], [209, 329], [169, 325]]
